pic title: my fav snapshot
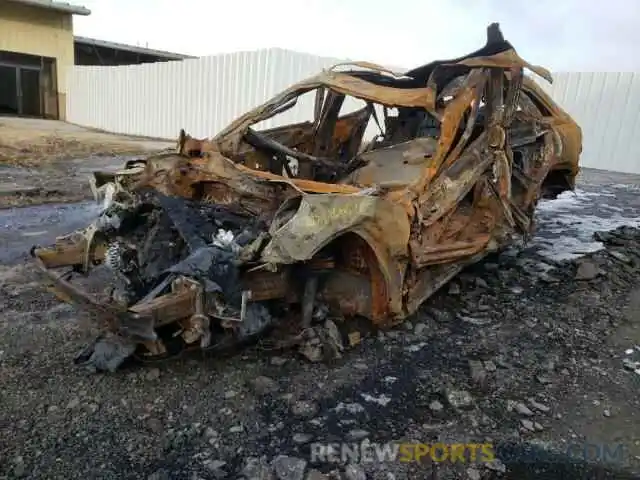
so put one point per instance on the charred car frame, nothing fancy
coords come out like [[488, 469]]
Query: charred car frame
[[214, 243]]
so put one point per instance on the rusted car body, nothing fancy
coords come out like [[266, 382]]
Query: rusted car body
[[222, 239]]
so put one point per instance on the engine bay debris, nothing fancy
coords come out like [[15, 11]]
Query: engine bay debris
[[314, 228]]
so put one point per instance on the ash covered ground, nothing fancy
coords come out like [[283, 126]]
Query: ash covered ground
[[533, 350]]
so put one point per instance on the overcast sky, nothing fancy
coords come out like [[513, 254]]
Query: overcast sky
[[562, 35]]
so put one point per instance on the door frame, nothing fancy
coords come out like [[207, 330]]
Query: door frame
[[20, 70], [18, 77]]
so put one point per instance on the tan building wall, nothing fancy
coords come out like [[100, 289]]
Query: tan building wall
[[37, 31]]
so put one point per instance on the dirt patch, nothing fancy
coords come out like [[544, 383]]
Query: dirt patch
[[44, 161], [31, 143], [40, 149]]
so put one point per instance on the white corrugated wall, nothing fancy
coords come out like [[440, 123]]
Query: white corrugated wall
[[203, 95], [200, 95], [606, 105]]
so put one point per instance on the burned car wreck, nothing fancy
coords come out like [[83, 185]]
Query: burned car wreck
[[310, 227]]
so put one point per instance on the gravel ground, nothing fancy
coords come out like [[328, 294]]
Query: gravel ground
[[510, 354], [531, 350]]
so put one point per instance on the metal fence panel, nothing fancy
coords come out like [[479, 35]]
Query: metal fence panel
[[606, 105], [203, 95], [200, 95]]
